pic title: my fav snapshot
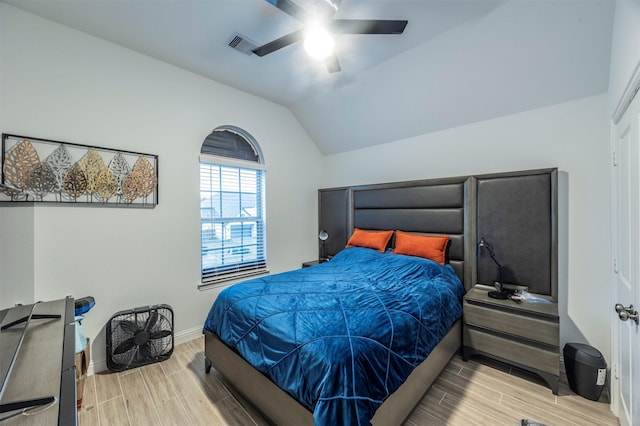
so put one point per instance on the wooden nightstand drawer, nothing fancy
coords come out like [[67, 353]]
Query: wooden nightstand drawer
[[517, 352], [515, 324]]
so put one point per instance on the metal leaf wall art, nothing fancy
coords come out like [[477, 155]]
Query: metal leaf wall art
[[75, 182], [141, 182], [120, 169], [60, 162], [41, 180], [17, 166], [73, 173]]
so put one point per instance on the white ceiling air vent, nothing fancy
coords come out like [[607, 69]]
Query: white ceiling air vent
[[242, 44]]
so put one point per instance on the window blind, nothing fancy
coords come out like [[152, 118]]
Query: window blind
[[232, 222], [229, 144]]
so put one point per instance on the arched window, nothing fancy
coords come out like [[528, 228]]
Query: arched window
[[232, 221]]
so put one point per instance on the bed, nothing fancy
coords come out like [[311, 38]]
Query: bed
[[341, 336], [381, 395]]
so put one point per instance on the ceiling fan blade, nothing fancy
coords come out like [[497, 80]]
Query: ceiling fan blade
[[367, 26], [279, 43], [332, 63], [290, 8]]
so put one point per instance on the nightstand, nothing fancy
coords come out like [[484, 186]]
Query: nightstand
[[313, 262], [526, 335]]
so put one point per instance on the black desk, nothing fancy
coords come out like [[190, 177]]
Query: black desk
[[44, 366]]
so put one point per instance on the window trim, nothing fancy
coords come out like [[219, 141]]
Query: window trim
[[246, 136], [232, 162], [236, 272]]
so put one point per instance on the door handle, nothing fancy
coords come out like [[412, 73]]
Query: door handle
[[627, 313]]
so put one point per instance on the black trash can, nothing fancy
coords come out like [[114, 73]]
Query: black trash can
[[586, 370]]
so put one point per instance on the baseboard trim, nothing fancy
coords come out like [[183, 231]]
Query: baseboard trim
[[187, 335], [96, 366]]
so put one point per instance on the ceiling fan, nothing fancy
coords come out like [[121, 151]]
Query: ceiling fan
[[322, 17]]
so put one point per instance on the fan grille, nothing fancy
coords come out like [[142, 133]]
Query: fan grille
[[139, 337]]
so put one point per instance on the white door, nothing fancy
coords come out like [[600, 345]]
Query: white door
[[626, 277]]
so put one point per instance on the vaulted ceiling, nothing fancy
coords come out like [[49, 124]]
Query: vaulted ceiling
[[458, 61]]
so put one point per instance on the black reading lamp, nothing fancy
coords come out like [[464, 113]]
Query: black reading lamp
[[323, 237], [499, 293]]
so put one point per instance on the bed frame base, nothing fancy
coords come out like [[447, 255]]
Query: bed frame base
[[284, 410]]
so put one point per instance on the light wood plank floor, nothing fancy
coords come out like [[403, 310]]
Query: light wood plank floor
[[177, 392]]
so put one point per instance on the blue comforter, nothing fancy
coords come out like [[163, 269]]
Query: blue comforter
[[341, 336]]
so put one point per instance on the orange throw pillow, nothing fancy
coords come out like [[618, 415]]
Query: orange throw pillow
[[377, 240], [427, 246]]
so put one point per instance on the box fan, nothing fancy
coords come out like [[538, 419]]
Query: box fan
[[139, 336]]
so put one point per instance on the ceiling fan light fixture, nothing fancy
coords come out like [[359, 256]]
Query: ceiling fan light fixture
[[327, 8], [318, 42]]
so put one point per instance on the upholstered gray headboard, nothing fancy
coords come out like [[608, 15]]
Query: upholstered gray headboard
[[516, 212], [436, 206], [431, 207]]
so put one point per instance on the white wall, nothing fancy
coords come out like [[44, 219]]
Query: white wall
[[16, 256], [572, 136], [60, 84]]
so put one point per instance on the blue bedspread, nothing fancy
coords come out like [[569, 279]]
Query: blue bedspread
[[341, 336]]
